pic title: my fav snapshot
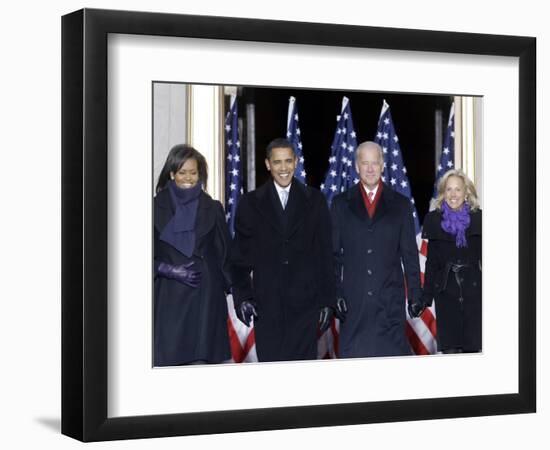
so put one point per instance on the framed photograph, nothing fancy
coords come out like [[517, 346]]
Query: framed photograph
[[120, 74]]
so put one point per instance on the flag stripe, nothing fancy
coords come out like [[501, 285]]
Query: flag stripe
[[417, 345], [250, 342], [237, 351], [428, 317]]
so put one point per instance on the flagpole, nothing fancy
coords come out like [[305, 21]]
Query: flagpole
[[291, 102], [451, 114], [345, 102], [385, 106]]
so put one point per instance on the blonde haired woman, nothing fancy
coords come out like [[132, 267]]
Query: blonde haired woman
[[453, 267]]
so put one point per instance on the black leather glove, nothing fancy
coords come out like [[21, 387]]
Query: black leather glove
[[415, 308], [427, 300], [325, 316], [182, 273], [341, 309], [246, 311]]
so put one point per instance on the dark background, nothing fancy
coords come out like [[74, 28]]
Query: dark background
[[413, 116]]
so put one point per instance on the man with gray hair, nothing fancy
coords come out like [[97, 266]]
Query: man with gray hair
[[376, 259]]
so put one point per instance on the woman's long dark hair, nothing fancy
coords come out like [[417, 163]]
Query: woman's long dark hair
[[176, 158]]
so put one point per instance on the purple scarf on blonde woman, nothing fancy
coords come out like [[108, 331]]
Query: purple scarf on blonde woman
[[456, 222]]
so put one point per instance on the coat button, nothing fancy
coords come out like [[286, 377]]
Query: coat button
[[285, 262], [369, 271], [369, 251], [369, 293]]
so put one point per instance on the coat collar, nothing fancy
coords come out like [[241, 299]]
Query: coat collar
[[284, 222], [357, 205]]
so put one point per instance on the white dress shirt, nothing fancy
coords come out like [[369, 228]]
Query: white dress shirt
[[283, 193], [374, 191]]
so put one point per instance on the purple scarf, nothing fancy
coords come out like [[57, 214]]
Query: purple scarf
[[179, 232], [456, 222]]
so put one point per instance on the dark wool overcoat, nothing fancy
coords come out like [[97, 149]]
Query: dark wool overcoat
[[190, 324], [282, 260], [371, 255], [458, 322]]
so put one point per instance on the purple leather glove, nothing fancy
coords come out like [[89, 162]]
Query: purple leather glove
[[245, 311], [182, 273]]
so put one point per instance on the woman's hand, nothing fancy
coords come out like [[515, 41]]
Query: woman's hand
[[181, 273]]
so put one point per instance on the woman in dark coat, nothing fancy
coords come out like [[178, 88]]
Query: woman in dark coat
[[453, 267], [191, 245]]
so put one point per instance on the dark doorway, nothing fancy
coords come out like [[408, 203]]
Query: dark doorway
[[414, 118]]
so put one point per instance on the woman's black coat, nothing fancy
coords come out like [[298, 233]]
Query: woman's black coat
[[289, 255], [458, 322], [191, 323]]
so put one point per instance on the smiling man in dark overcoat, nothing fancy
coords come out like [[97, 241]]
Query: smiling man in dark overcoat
[[375, 250], [282, 262]]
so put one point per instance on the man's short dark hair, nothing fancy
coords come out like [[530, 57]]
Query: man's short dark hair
[[278, 143]]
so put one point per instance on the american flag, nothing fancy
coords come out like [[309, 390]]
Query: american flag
[[395, 172], [420, 331], [447, 158], [341, 173], [233, 177], [293, 134], [241, 338]]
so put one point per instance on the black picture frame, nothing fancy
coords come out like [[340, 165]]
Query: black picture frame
[[84, 224]]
